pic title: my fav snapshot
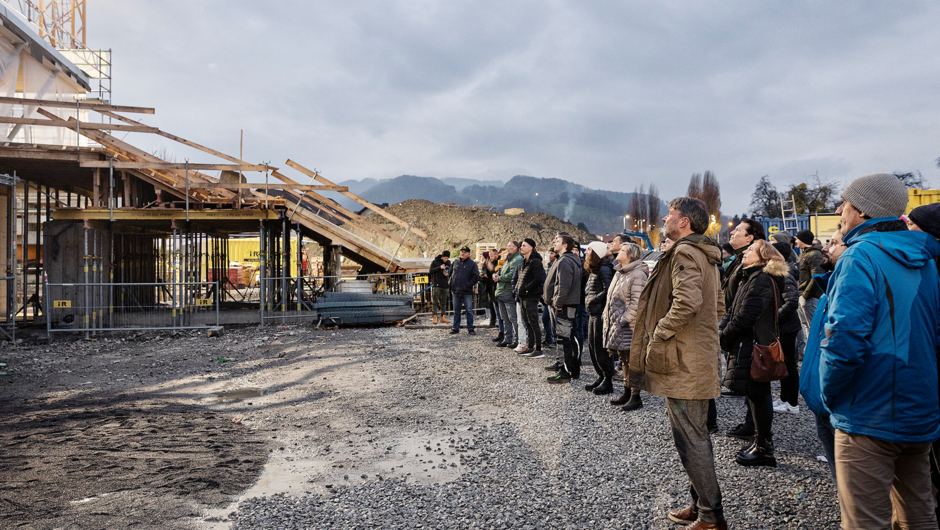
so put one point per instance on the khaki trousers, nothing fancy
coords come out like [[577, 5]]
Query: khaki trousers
[[883, 485]]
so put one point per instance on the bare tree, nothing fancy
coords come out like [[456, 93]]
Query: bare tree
[[765, 201], [711, 194], [695, 186], [652, 206], [636, 207], [911, 180], [814, 196]]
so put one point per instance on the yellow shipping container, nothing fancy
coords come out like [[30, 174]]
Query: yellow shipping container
[[921, 197], [247, 252]]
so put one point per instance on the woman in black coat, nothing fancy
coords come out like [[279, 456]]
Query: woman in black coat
[[753, 318], [600, 271]]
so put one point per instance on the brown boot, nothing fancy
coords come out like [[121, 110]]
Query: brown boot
[[435, 319], [702, 525], [444, 320]]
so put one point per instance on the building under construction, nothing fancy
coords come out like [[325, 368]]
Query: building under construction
[[89, 222]]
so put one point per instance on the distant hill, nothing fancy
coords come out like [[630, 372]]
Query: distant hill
[[601, 211]]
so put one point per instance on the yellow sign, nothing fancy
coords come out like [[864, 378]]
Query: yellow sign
[[203, 302], [421, 279], [773, 229], [62, 304]]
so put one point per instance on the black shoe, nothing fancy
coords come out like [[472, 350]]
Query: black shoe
[[526, 351], [454, 331], [559, 378], [761, 454], [748, 448], [537, 354], [513, 345], [622, 399], [729, 393], [604, 388], [558, 365], [741, 431], [471, 332], [548, 342], [712, 429], [634, 404], [499, 338], [502, 344], [595, 384]]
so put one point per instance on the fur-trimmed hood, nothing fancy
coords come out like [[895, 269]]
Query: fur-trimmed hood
[[776, 267]]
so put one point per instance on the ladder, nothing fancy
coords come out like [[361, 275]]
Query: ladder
[[791, 223]]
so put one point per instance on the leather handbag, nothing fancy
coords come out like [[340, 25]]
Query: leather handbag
[[767, 363]]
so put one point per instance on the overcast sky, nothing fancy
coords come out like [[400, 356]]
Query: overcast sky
[[611, 95]]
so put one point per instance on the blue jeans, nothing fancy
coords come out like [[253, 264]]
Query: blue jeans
[[463, 302], [827, 437], [547, 324]]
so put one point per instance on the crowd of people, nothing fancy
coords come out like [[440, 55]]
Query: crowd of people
[[857, 321]]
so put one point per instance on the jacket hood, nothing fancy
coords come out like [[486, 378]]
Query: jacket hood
[[535, 255], [910, 248], [776, 267], [707, 245], [633, 265], [571, 256]]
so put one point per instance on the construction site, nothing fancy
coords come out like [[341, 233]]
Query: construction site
[[98, 234]]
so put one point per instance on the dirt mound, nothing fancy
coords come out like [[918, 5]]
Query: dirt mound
[[450, 228]]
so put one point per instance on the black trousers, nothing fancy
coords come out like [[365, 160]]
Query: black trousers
[[530, 315], [600, 357], [761, 415], [790, 386]]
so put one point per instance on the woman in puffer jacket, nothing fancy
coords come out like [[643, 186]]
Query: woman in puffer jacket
[[630, 275], [752, 319]]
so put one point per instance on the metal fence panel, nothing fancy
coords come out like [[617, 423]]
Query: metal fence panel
[[93, 307]]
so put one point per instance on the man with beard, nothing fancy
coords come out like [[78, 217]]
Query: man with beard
[[675, 351], [878, 364], [440, 286]]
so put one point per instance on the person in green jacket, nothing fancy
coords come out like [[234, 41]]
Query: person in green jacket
[[504, 298]]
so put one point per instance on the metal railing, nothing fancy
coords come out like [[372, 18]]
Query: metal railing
[[94, 307]]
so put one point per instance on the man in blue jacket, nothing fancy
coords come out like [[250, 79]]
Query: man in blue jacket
[[465, 274], [878, 366]]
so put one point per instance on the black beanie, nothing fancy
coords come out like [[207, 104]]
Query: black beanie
[[530, 241], [927, 218], [784, 250], [805, 236], [445, 254]]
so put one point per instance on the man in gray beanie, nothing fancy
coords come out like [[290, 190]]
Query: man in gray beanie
[[878, 364]]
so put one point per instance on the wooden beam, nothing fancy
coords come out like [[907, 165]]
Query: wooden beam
[[358, 199], [354, 219], [261, 186], [84, 125], [172, 165], [99, 107], [131, 152], [183, 141]]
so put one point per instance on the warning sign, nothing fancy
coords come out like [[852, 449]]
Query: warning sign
[[421, 279], [62, 304], [203, 302]]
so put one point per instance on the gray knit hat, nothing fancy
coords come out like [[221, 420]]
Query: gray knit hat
[[878, 195]]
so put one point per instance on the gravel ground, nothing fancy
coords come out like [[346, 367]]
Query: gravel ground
[[387, 428]]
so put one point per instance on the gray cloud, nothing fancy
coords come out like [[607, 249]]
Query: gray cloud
[[609, 95]]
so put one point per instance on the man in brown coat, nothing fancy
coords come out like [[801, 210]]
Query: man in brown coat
[[675, 350]]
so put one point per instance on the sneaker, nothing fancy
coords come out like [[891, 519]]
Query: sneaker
[[525, 351], [559, 378], [558, 365], [537, 354], [519, 349], [777, 402], [787, 408]]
